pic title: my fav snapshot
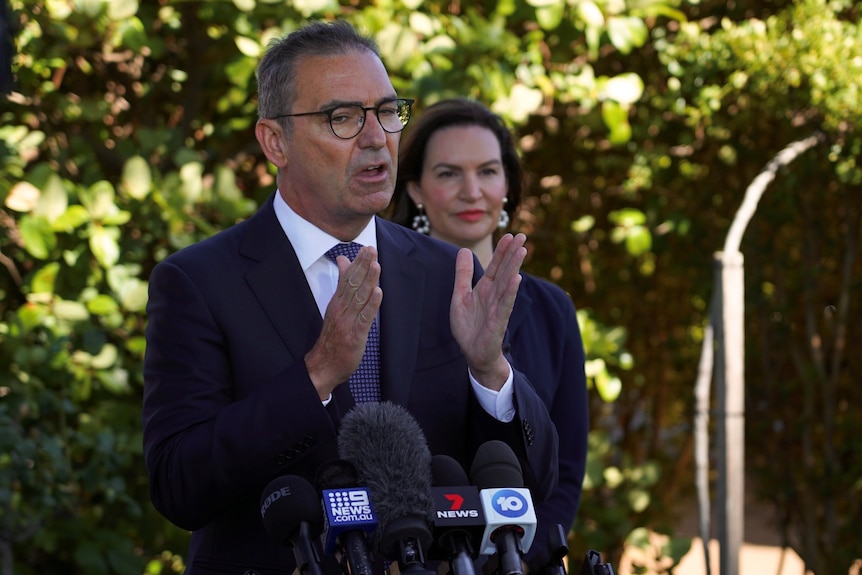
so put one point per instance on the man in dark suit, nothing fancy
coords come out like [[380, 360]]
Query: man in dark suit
[[254, 333]]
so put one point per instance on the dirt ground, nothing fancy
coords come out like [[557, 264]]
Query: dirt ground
[[761, 552]]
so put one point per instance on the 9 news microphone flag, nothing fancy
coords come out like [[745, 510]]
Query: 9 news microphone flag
[[348, 516]]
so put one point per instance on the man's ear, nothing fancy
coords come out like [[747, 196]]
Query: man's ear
[[270, 136]]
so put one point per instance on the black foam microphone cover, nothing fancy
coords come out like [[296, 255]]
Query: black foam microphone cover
[[458, 521], [446, 471], [285, 503], [336, 474], [388, 449], [496, 465], [291, 514]]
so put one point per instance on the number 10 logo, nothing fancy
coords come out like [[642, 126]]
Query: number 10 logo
[[509, 503]]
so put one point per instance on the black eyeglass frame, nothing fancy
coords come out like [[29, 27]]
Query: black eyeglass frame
[[365, 109]]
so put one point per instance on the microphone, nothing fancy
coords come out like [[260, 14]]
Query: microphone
[[348, 516], [508, 506], [387, 447], [291, 516], [458, 516]]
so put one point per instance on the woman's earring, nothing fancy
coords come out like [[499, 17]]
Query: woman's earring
[[504, 216], [420, 221]]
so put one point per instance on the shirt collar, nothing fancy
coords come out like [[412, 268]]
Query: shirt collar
[[310, 242]]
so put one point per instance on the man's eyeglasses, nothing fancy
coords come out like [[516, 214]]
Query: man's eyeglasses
[[348, 120]]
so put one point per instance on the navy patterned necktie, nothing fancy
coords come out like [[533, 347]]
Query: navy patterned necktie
[[365, 381]]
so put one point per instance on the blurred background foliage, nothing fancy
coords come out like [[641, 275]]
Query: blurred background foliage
[[127, 134]]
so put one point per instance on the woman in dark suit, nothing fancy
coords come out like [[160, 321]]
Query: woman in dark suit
[[459, 180]]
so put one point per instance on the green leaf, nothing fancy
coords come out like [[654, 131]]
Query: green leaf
[[248, 46], [99, 199], [638, 240], [70, 310], [191, 175], [31, 315], [677, 547], [309, 7], [627, 217], [608, 387], [626, 33], [116, 218], [591, 14], [44, 279], [102, 305], [621, 132], [397, 44], [74, 216], [550, 16], [106, 357], [39, 238], [137, 179], [244, 5], [116, 381], [613, 477], [625, 88], [519, 104], [132, 34], [122, 9], [639, 500], [639, 537], [22, 197], [136, 345], [91, 8], [615, 116], [103, 244], [58, 9], [133, 295], [583, 224], [53, 199], [421, 23]]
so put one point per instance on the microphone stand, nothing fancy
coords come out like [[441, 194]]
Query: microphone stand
[[307, 558], [460, 554], [558, 548], [593, 565], [508, 553], [411, 558]]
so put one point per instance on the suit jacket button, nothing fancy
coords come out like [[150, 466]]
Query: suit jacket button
[[281, 460], [528, 432], [250, 572]]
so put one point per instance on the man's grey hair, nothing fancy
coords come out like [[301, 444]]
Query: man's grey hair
[[276, 72]]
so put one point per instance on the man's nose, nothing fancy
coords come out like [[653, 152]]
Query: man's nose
[[372, 134]]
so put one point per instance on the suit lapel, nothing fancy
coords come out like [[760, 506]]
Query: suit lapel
[[521, 311], [279, 283], [402, 279]]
